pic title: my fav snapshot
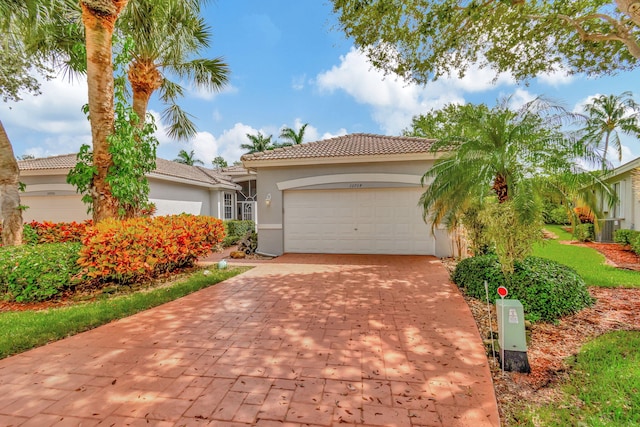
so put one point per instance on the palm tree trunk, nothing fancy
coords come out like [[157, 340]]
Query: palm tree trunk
[[10, 212], [606, 148], [501, 188], [99, 17], [145, 79]]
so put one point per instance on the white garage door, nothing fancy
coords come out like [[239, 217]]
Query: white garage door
[[358, 221], [54, 208]]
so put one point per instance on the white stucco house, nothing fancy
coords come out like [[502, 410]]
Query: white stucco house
[[625, 214], [227, 193], [354, 194]]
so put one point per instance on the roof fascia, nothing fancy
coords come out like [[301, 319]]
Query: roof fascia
[[376, 158]]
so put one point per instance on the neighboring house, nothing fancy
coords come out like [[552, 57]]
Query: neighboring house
[[357, 194], [625, 214], [174, 188]]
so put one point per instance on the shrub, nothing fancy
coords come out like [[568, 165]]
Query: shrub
[[559, 216], [547, 290], [236, 227], [625, 237], [584, 214], [53, 232], [125, 251], [29, 235], [236, 230], [584, 232], [59, 232], [38, 272], [635, 245]]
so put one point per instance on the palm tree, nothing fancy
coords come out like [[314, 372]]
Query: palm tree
[[607, 116], [98, 18], [166, 35], [187, 158], [291, 136], [219, 162], [513, 157], [259, 143]]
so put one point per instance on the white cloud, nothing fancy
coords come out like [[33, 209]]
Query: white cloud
[[556, 78], [208, 95], [298, 82], [230, 140], [520, 97], [58, 110], [579, 106], [394, 101], [205, 147], [312, 133]]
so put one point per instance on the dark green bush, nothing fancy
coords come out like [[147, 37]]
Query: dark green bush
[[37, 272], [584, 232], [236, 230], [625, 237], [558, 215], [635, 245], [236, 227], [547, 290]]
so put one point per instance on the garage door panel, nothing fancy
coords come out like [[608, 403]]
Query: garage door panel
[[374, 221]]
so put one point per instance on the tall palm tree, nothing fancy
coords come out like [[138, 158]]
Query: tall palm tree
[[187, 158], [607, 116], [292, 137], [259, 143], [99, 18], [514, 156], [499, 149], [167, 36]]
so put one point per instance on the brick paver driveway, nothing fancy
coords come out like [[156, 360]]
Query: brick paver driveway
[[302, 340]]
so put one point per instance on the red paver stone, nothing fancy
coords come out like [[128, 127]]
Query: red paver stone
[[312, 340]]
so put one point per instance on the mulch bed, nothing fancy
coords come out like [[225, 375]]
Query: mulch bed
[[552, 345]]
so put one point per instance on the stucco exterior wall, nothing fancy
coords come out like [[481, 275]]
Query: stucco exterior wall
[[358, 175], [629, 203], [50, 198]]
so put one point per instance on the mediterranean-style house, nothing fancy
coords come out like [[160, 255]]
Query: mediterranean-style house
[[227, 193], [356, 194], [625, 214]]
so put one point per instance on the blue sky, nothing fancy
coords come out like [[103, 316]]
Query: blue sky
[[290, 65]]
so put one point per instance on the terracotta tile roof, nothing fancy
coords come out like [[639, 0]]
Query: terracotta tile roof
[[163, 167], [357, 144], [64, 161]]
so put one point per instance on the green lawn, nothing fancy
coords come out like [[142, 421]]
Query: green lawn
[[21, 331], [588, 262], [603, 390]]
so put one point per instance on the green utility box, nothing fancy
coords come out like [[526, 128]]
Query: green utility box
[[512, 336]]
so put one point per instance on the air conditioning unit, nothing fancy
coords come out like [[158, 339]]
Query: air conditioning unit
[[607, 230]]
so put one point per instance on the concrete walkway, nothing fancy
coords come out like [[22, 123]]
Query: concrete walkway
[[300, 340]]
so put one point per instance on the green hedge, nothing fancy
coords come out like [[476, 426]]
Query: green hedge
[[635, 245], [547, 290], [584, 232], [558, 215], [625, 237], [37, 272]]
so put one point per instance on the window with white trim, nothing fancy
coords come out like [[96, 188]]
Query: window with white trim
[[228, 206]]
